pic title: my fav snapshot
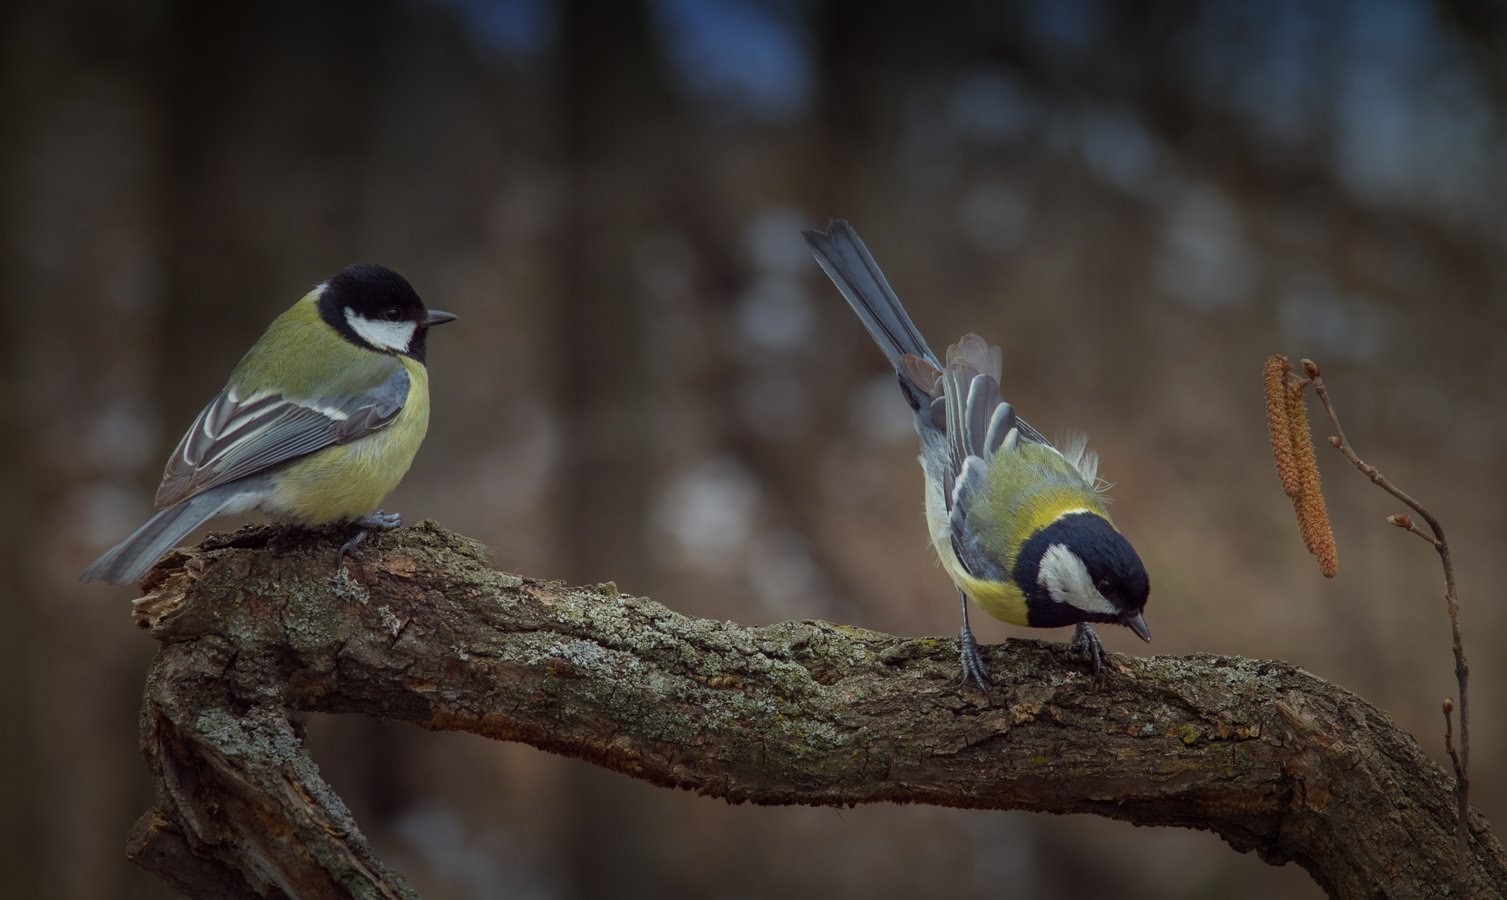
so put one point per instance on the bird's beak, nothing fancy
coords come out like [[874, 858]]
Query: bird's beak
[[1137, 623], [438, 317]]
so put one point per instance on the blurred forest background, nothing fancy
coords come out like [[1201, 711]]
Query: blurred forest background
[[652, 382]]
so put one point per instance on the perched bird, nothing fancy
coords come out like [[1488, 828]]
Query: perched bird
[[1017, 523], [319, 422]]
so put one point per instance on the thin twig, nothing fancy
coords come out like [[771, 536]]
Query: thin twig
[[1449, 734], [1406, 523], [1462, 669]]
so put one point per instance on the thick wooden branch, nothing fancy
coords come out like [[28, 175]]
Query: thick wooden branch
[[417, 627]]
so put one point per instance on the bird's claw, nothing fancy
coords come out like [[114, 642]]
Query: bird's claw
[[380, 521], [1086, 642], [974, 669], [377, 521]]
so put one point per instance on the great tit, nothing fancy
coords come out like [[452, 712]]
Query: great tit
[[319, 422], [1018, 524]]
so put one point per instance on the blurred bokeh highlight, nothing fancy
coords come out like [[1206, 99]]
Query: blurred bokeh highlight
[[652, 382]]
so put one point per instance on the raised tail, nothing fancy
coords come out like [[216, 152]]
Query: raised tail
[[128, 560], [849, 264], [851, 267]]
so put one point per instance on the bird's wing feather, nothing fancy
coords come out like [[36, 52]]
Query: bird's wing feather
[[979, 426], [1032, 435], [972, 377], [235, 436], [970, 551]]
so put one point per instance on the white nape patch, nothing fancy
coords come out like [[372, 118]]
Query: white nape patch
[[387, 335], [1066, 579]]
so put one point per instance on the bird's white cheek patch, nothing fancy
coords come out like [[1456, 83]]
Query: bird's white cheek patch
[[387, 335], [1067, 580]]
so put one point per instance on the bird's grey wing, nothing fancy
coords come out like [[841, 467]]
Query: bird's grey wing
[[236, 436], [1031, 434], [979, 424], [972, 376]]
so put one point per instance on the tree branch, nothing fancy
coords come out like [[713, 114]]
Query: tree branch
[[418, 628]]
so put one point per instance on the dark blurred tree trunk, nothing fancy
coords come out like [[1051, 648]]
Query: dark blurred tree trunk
[[80, 237], [269, 111], [848, 131], [611, 102], [22, 841]]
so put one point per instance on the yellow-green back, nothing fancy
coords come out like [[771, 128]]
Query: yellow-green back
[[301, 356], [1025, 491]]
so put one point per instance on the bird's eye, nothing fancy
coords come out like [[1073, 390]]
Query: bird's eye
[[393, 314], [1104, 584]]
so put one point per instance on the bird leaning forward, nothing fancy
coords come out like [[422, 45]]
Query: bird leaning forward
[[1018, 524]]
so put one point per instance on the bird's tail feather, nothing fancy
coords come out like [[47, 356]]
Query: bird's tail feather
[[851, 267], [128, 561]]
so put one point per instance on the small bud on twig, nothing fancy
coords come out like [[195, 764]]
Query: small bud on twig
[[1406, 523]]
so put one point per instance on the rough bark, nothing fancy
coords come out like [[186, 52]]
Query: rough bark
[[417, 627]]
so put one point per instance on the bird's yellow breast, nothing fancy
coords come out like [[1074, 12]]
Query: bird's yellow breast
[[1001, 599], [347, 481]]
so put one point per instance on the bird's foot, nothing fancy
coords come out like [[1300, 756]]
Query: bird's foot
[[380, 521], [377, 521], [1087, 643], [974, 669]]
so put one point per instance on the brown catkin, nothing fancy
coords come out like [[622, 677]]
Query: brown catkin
[[1313, 515], [1277, 422], [1307, 467], [1297, 466]]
